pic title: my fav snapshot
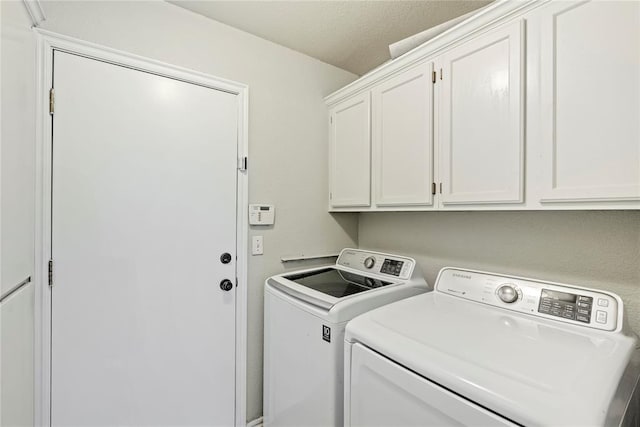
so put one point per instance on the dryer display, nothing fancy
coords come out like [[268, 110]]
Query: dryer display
[[564, 304]]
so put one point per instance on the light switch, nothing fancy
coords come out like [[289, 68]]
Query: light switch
[[256, 245]]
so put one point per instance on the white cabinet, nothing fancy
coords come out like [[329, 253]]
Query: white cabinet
[[589, 101], [481, 133], [402, 138], [536, 99], [479, 148], [350, 153]]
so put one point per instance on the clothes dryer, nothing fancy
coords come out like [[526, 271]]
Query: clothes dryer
[[493, 350]]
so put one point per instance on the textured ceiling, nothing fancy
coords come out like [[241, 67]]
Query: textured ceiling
[[353, 35]]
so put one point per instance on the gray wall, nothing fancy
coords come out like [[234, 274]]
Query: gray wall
[[287, 127], [599, 249]]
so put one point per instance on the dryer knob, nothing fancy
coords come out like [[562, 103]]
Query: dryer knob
[[369, 262], [508, 293]]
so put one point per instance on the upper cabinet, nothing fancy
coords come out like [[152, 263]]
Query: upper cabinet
[[402, 138], [527, 105], [350, 153], [481, 133], [589, 101]]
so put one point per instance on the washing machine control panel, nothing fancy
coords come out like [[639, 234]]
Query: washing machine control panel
[[392, 266], [566, 303]]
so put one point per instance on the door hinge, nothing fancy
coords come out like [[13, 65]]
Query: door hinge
[[433, 188], [440, 188], [243, 163], [433, 77], [50, 273], [52, 101], [440, 73]]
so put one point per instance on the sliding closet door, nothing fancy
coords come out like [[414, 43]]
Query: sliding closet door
[[143, 206]]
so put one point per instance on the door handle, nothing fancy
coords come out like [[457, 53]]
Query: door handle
[[226, 285]]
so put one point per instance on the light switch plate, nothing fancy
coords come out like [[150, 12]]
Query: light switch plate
[[256, 245]]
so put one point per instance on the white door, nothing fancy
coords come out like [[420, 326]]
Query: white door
[[350, 153], [402, 138], [143, 206], [590, 100], [481, 124]]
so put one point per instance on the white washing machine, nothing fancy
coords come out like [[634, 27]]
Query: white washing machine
[[305, 314], [493, 350]]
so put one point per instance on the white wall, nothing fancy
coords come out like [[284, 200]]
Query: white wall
[[599, 249], [287, 127], [17, 97]]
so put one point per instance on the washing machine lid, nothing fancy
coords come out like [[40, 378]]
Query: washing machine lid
[[357, 274], [325, 287], [336, 283], [531, 370]]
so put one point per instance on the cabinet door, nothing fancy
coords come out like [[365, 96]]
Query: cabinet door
[[590, 101], [403, 138], [481, 132], [350, 153]]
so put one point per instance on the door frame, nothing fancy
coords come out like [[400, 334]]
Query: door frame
[[47, 42]]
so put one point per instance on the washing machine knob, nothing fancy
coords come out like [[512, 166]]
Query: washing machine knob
[[369, 262], [508, 293]]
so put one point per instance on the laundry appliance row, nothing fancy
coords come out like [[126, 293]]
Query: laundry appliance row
[[367, 342]]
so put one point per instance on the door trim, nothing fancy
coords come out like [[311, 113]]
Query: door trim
[[47, 42]]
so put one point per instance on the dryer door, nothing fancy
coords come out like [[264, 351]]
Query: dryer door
[[383, 393]]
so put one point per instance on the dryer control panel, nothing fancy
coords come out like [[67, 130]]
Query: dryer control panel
[[392, 266], [567, 303]]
